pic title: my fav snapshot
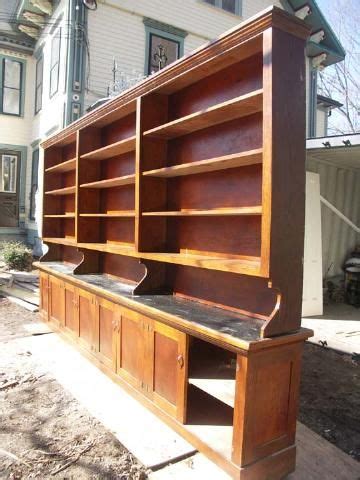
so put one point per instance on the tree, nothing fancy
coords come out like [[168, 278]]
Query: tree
[[342, 80]]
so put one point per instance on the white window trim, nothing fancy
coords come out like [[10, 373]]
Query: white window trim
[[218, 6]]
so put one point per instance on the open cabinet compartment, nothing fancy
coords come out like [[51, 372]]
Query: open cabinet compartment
[[174, 214], [208, 177], [59, 209]]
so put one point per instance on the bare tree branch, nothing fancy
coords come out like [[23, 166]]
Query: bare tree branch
[[342, 80]]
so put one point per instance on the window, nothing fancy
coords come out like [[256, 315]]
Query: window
[[164, 44], [34, 182], [8, 172], [55, 62], [162, 52], [11, 95], [232, 6], [39, 84]]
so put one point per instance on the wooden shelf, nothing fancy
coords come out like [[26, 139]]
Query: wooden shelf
[[65, 215], [60, 240], [209, 165], [62, 191], [220, 388], [63, 167], [110, 248], [111, 182], [250, 265], [118, 148], [236, 108], [119, 214], [208, 213]]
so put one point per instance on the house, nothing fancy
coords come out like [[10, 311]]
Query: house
[[57, 60]]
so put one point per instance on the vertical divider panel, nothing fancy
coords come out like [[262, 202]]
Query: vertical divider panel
[[267, 153], [88, 170], [77, 188], [150, 234], [284, 174]]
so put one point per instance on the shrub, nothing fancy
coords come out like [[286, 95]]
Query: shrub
[[16, 255]]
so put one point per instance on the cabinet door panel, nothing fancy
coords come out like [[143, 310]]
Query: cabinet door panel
[[56, 301], [131, 347], [165, 361], [71, 318], [169, 374], [86, 315], [44, 296], [107, 325]]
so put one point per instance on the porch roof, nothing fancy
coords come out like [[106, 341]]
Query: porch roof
[[339, 150]]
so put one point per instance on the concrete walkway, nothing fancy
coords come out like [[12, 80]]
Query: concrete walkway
[[149, 439], [339, 327]]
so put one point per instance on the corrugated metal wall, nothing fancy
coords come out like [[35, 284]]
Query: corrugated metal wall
[[341, 187]]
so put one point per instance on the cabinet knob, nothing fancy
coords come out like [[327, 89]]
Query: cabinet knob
[[180, 360]]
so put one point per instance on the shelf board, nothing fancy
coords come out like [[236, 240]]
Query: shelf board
[[221, 388], [66, 215], [236, 108], [225, 162], [119, 214], [60, 240], [248, 266], [111, 182], [110, 248], [257, 210], [62, 191], [118, 148], [63, 167]]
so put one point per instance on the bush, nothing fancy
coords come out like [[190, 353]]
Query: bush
[[16, 256]]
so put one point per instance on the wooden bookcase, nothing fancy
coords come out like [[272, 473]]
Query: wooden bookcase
[[174, 220]]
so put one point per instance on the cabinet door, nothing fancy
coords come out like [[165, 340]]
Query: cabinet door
[[168, 350], [71, 318], [56, 301], [86, 317], [106, 331], [44, 296], [131, 348]]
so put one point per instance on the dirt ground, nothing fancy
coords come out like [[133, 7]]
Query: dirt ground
[[46, 433], [330, 397]]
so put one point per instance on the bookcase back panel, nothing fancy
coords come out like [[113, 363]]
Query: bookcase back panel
[[235, 187], [232, 236], [119, 130], [221, 288], [59, 227], [117, 230], [59, 205], [236, 80], [230, 137], [69, 151], [53, 181], [71, 255], [122, 267], [68, 179], [68, 202], [114, 199], [118, 166]]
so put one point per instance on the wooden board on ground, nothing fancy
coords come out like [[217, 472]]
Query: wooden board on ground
[[316, 459], [21, 293]]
